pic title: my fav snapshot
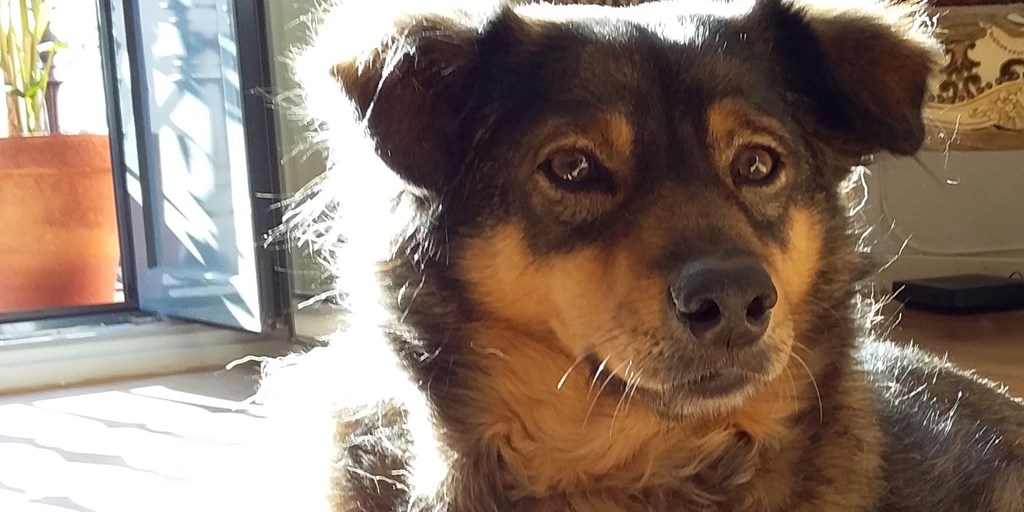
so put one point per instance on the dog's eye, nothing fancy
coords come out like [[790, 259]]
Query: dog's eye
[[576, 170], [754, 164]]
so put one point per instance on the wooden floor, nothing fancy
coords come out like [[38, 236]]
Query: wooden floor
[[992, 344]]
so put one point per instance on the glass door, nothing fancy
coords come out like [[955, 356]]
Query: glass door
[[197, 157]]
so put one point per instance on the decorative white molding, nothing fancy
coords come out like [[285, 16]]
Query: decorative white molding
[[976, 101], [1001, 107]]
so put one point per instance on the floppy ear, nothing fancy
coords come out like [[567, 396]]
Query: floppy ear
[[864, 69], [407, 70]]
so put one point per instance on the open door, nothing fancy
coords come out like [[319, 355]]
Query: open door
[[199, 158]]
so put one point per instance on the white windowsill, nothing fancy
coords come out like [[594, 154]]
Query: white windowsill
[[109, 353]]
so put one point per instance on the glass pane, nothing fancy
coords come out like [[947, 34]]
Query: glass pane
[[189, 180], [311, 293]]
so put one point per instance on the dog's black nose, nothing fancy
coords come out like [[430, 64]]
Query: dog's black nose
[[725, 302]]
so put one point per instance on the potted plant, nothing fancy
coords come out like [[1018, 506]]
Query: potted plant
[[58, 227]]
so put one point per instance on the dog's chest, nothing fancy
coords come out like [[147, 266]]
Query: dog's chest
[[729, 474], [558, 434]]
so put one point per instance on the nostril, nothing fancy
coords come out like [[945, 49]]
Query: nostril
[[761, 305], [704, 320], [757, 309], [707, 312]]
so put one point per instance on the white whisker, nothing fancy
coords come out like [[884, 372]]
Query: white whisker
[[632, 392], [565, 376], [618, 406], [597, 396], [792, 389], [597, 374], [817, 391]]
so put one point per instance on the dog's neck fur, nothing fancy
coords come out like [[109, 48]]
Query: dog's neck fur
[[532, 425]]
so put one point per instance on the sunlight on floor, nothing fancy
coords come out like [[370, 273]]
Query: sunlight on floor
[[183, 443]]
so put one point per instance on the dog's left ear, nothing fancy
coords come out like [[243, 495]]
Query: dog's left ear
[[406, 69], [863, 70]]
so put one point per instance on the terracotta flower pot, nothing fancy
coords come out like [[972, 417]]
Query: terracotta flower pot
[[58, 226]]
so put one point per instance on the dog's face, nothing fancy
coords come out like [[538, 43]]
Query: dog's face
[[653, 188]]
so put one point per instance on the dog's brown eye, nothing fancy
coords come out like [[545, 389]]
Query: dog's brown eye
[[571, 165], [754, 164], [576, 170]]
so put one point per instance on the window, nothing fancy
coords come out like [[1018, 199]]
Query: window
[[195, 178]]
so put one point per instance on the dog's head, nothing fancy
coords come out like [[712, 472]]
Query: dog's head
[[654, 188]]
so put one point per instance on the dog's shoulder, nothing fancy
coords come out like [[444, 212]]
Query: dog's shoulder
[[954, 441]]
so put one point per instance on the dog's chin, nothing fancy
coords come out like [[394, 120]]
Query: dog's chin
[[707, 388], [703, 395]]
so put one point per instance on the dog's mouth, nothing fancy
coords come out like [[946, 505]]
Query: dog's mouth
[[717, 383], [679, 394], [696, 386]]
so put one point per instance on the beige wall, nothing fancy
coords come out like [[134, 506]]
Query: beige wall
[[961, 213]]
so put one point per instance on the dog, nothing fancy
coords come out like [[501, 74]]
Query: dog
[[601, 258]]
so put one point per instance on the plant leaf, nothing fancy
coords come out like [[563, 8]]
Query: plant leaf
[[41, 13], [51, 46]]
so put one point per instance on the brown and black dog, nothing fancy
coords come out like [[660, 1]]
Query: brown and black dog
[[598, 258]]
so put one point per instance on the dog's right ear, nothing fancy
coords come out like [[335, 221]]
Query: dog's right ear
[[407, 68], [862, 66]]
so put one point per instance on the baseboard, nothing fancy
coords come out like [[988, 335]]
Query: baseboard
[[919, 267]]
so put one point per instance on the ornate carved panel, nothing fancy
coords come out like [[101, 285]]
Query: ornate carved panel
[[976, 100]]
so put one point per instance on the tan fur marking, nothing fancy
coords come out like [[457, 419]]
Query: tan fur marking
[[510, 284], [794, 267], [616, 132], [574, 296], [732, 121]]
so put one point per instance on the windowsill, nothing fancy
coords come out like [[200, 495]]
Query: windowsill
[[104, 352], [174, 443]]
